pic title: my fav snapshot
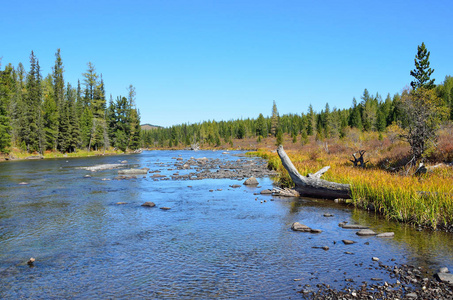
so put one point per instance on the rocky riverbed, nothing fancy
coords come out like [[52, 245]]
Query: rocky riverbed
[[409, 282]]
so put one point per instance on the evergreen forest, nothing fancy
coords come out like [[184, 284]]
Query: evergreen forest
[[39, 114], [369, 113]]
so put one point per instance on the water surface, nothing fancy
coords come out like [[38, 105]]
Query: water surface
[[228, 243]]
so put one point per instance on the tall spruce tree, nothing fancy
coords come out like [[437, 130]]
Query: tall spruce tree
[[275, 119], [6, 91], [32, 119], [422, 71]]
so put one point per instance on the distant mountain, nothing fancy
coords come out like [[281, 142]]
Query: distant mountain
[[149, 126]]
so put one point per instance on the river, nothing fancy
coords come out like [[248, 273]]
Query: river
[[215, 241]]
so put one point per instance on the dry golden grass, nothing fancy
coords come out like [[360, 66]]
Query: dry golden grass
[[426, 200]]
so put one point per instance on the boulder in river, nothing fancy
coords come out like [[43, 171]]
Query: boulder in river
[[266, 192], [365, 232], [300, 227], [348, 242], [386, 234], [444, 277], [149, 204], [251, 181], [133, 171], [354, 226]]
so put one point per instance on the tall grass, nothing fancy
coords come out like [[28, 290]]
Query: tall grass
[[426, 200]]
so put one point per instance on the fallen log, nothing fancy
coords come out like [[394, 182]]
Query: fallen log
[[313, 185]]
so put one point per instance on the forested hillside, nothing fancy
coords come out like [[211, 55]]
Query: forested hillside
[[39, 114]]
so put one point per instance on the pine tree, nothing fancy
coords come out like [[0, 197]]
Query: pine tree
[[275, 119], [50, 115], [73, 128], [422, 71], [32, 124], [6, 91]]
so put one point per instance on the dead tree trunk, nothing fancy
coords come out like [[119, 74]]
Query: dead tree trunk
[[359, 162], [312, 185]]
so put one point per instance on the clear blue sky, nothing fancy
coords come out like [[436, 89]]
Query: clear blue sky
[[192, 60]]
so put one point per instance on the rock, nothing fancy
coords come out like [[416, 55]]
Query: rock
[[325, 248], [444, 270], [347, 252], [365, 232], [354, 226], [31, 261], [134, 171], [328, 215], [23, 183], [412, 296], [120, 203], [87, 176], [124, 161], [149, 204], [165, 208], [315, 230], [266, 192], [251, 181], [300, 227], [444, 277], [375, 258], [386, 234], [35, 157], [235, 186], [348, 242]]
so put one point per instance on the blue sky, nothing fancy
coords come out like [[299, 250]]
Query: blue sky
[[192, 61]]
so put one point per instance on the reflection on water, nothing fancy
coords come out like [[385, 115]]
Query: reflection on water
[[228, 243]]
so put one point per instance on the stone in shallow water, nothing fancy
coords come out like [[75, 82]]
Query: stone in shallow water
[[445, 277], [354, 226], [386, 234], [300, 227], [266, 192], [348, 242], [365, 232], [251, 181], [149, 204], [315, 230]]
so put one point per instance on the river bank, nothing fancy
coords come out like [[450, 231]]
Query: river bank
[[17, 155]]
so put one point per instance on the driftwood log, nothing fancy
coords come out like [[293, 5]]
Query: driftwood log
[[312, 185]]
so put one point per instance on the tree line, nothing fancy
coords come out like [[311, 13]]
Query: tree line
[[369, 113], [39, 114]]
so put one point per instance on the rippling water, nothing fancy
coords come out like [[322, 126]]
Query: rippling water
[[228, 243]]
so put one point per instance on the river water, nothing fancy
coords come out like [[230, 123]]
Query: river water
[[215, 242]]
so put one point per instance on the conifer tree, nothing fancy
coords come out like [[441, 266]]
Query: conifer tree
[[6, 91], [275, 119], [422, 71], [32, 123]]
